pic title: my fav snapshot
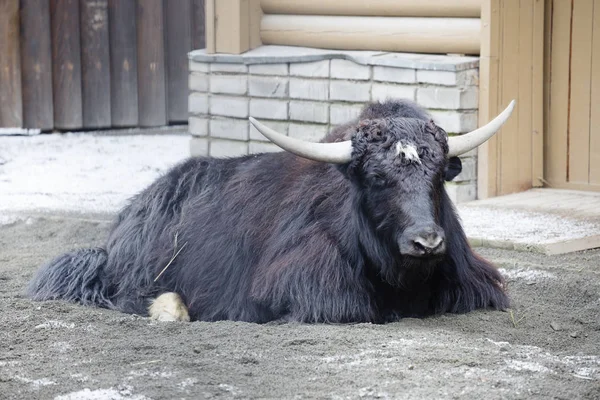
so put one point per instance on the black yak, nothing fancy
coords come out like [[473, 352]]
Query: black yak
[[355, 228]]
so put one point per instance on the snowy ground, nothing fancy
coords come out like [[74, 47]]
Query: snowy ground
[[81, 172]]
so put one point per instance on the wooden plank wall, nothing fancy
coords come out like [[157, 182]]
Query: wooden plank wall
[[95, 64], [152, 99], [36, 64], [66, 64], [573, 97], [11, 112], [511, 67], [123, 63], [92, 64]]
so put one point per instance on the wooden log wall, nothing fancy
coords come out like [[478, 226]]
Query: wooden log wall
[[432, 26], [376, 8], [404, 34], [93, 64]]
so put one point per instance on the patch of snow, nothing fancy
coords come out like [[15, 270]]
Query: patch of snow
[[499, 344], [36, 383], [55, 325], [80, 377], [528, 275], [187, 383], [586, 372], [518, 365], [101, 394], [61, 347], [522, 226], [154, 374], [230, 389], [10, 219], [19, 131], [82, 172]]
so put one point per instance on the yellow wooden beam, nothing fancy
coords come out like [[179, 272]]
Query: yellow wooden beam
[[488, 96], [209, 25], [379, 8], [406, 34], [232, 26]]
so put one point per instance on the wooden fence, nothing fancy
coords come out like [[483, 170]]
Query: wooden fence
[[90, 64]]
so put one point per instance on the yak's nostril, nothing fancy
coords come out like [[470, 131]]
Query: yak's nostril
[[423, 241], [428, 242]]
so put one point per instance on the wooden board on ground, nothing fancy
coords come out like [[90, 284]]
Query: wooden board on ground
[[548, 221]]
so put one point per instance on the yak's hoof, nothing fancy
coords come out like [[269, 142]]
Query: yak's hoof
[[168, 307]]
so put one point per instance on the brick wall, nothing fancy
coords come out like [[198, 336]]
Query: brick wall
[[305, 99]]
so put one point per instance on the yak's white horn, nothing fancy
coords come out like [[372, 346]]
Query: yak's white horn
[[337, 153], [461, 144]]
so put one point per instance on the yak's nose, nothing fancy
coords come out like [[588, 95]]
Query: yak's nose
[[423, 241]]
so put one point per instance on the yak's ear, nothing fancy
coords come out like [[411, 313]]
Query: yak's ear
[[371, 129], [453, 168]]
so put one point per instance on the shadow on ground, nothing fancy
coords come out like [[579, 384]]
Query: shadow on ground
[[547, 347]]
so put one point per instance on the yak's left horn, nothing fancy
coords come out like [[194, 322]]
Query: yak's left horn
[[337, 153], [461, 144]]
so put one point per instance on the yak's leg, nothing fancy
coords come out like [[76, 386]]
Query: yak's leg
[[168, 307]]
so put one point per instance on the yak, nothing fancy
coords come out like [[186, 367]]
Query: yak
[[355, 228]]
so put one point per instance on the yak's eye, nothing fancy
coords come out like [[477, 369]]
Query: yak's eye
[[378, 179]]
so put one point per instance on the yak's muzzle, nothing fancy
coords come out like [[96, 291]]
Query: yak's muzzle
[[423, 241]]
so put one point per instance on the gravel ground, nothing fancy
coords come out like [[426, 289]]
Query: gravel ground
[[547, 347]]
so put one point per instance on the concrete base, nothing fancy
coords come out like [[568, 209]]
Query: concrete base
[[543, 220]]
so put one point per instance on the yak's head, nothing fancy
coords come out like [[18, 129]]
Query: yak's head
[[400, 165], [399, 158]]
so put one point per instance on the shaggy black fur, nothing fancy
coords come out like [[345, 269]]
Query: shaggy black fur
[[275, 236]]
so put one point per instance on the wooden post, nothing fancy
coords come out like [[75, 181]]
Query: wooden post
[[11, 111], [95, 64], [36, 65], [209, 26], [151, 63], [123, 59], [232, 26], [510, 67], [198, 24], [539, 61], [488, 96], [178, 42], [66, 63]]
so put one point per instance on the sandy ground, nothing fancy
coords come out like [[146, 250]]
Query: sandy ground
[[58, 193], [547, 348]]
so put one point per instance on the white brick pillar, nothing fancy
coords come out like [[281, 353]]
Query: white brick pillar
[[304, 93]]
